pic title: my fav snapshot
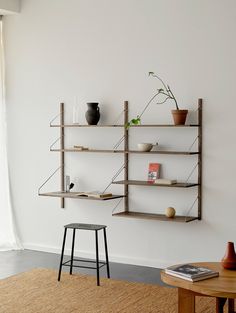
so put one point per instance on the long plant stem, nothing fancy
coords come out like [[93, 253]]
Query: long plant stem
[[168, 90], [154, 75], [173, 97], [163, 100], [149, 103]]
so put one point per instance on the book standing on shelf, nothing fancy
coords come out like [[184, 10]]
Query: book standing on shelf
[[153, 172], [191, 272]]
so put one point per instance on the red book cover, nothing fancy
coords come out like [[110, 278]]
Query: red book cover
[[153, 172]]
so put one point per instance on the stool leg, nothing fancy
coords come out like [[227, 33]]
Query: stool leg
[[97, 258], [62, 254], [106, 252], [72, 252]]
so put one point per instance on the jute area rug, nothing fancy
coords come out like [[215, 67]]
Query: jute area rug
[[38, 291]]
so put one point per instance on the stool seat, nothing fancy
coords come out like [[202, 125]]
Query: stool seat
[[85, 226]]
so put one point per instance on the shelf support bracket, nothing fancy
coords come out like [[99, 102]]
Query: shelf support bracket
[[51, 122], [44, 183], [190, 209], [52, 145]]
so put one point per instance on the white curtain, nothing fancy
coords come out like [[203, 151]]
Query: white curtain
[[8, 237]]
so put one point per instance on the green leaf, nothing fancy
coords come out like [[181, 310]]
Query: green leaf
[[127, 125], [134, 121]]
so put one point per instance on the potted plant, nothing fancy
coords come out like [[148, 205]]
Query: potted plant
[[179, 115]]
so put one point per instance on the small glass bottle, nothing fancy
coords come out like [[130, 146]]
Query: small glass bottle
[[67, 183]]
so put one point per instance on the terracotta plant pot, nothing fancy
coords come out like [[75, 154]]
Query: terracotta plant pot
[[179, 116], [229, 259]]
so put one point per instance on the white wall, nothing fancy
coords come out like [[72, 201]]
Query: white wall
[[103, 50], [9, 6]]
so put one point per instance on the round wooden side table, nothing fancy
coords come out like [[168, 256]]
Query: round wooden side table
[[223, 288]]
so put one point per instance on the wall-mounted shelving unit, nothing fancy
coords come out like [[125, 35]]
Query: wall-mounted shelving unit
[[126, 182]]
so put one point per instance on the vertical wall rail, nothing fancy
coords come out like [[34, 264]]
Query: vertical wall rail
[[62, 156], [126, 156], [200, 159]]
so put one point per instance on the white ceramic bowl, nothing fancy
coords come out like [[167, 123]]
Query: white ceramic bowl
[[145, 147]]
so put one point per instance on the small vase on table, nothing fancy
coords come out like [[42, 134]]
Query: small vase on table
[[229, 259]]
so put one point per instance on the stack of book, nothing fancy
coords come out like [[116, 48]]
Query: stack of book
[[81, 148], [94, 194], [165, 181], [191, 272]]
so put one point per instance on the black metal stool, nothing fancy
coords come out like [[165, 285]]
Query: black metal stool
[[92, 227]]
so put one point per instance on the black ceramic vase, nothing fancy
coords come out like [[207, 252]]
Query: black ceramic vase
[[93, 114]]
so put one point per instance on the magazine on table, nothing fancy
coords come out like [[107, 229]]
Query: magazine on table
[[191, 272]]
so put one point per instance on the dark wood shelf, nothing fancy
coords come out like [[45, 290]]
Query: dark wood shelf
[[164, 152], [87, 151], [166, 125], [83, 125], [148, 184], [137, 126], [130, 151], [73, 195], [152, 216]]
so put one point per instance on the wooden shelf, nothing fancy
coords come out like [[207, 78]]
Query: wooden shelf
[[164, 152], [130, 151], [165, 125], [73, 195], [80, 125], [137, 126], [159, 217], [148, 184], [87, 151]]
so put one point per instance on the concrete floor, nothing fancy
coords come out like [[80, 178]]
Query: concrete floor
[[14, 262]]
